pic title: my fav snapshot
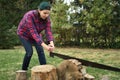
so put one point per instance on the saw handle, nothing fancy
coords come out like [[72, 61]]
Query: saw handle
[[51, 54]]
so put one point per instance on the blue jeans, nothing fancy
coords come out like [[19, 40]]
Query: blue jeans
[[29, 51]]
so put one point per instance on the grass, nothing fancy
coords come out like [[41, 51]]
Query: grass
[[11, 60]]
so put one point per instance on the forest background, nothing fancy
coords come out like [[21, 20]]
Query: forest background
[[82, 23]]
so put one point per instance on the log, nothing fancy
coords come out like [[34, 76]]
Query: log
[[105, 77], [21, 75], [70, 70], [44, 72], [77, 63], [82, 70], [89, 77]]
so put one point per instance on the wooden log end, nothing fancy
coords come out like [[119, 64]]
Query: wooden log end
[[76, 62], [43, 68], [89, 77], [21, 71], [105, 77]]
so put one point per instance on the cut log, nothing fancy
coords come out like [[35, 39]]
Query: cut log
[[89, 77], [69, 70], [77, 63], [21, 75], [105, 77], [44, 72], [82, 70]]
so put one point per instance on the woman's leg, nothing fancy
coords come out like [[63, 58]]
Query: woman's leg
[[29, 51], [40, 52]]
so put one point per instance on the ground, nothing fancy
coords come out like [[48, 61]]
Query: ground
[[11, 60]]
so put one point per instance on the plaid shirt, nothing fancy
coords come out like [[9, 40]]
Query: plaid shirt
[[31, 26]]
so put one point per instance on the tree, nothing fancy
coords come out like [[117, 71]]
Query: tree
[[59, 21], [96, 19]]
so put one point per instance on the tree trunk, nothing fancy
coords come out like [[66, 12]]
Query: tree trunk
[[44, 72], [21, 75]]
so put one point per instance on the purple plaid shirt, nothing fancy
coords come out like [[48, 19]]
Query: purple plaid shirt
[[31, 25]]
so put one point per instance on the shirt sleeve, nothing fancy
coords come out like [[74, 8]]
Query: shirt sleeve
[[33, 31], [48, 31]]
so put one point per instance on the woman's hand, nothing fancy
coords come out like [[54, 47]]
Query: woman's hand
[[49, 47], [52, 47]]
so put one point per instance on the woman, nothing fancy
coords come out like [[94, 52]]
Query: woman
[[29, 31]]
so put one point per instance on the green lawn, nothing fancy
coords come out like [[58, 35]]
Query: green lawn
[[11, 60]]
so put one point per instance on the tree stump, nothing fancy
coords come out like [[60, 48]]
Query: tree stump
[[21, 75], [44, 72]]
